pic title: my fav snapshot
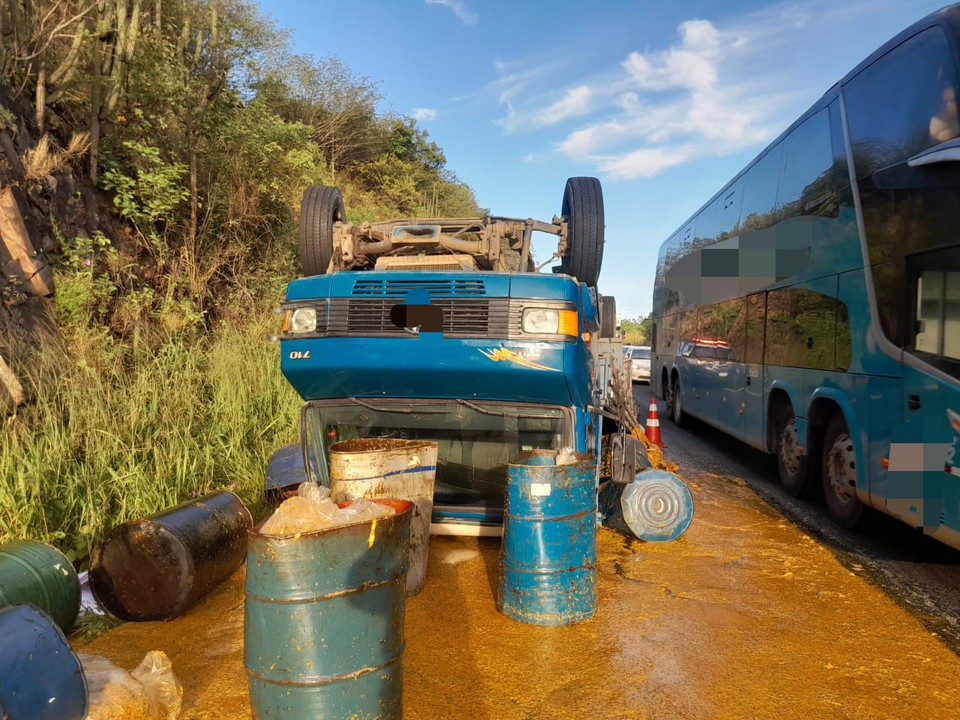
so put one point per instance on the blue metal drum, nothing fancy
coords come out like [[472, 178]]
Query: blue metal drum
[[324, 620], [657, 506], [549, 553], [40, 677]]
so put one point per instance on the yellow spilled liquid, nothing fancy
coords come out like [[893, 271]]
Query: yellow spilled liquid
[[744, 616]]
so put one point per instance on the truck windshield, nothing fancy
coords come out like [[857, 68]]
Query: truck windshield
[[477, 439]]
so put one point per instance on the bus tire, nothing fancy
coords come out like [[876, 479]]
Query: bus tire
[[583, 209], [674, 404], [608, 316], [322, 206], [840, 474], [792, 463]]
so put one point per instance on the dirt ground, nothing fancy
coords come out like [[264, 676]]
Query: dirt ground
[[742, 617]]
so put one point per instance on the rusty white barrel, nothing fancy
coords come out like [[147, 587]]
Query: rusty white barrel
[[388, 468]]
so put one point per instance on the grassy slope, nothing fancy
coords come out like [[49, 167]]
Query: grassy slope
[[114, 433]]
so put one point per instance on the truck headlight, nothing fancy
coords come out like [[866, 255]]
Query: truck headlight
[[541, 321], [549, 321], [301, 320]]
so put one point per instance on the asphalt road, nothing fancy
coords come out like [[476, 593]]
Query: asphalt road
[[918, 573]]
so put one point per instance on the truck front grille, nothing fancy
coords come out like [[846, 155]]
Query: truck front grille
[[462, 317]]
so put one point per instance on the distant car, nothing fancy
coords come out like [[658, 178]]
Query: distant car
[[640, 363]]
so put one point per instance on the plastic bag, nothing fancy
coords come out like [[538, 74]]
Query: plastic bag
[[114, 694], [312, 491], [300, 515], [150, 692], [164, 692], [566, 456], [312, 509], [361, 509]]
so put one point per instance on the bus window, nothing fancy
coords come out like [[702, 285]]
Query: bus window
[[938, 314], [667, 342], [890, 107], [724, 326], [804, 322], [756, 311], [891, 103], [806, 186], [688, 327], [759, 206]]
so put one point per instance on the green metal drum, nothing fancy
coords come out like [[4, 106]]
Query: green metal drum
[[324, 620], [39, 574]]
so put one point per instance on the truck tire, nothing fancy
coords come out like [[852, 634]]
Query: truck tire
[[608, 316], [322, 207], [583, 209]]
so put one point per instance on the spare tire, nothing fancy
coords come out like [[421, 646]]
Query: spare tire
[[583, 210], [322, 207], [608, 316]]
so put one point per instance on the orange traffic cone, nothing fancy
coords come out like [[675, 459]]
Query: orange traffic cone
[[652, 431]]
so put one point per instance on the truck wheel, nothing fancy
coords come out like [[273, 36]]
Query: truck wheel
[[674, 403], [583, 209], [840, 474], [791, 462], [608, 316], [322, 206]]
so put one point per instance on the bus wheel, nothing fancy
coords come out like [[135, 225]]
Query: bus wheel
[[840, 474], [583, 210], [791, 460], [674, 403], [322, 206]]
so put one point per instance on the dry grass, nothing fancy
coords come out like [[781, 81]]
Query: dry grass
[[45, 158]]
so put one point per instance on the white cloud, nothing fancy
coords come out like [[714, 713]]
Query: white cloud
[[645, 162], [715, 89], [460, 9], [652, 110], [575, 103], [424, 114]]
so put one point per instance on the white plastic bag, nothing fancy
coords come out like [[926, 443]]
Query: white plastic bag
[[150, 692], [163, 690], [311, 509]]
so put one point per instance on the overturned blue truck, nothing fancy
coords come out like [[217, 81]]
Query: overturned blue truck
[[444, 330]]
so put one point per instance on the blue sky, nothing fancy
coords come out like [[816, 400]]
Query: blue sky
[[663, 101]]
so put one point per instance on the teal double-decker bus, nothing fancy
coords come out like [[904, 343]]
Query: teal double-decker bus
[[812, 307]]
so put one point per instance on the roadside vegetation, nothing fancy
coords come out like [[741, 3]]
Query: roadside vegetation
[[637, 331], [172, 141]]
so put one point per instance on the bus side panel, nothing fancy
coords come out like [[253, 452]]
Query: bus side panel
[[864, 355], [896, 493], [920, 445], [789, 380]]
